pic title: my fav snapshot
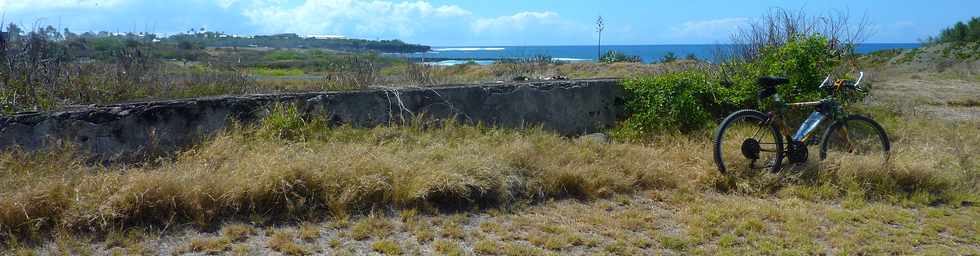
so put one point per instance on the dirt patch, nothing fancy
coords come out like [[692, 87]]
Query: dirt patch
[[929, 94], [648, 223]]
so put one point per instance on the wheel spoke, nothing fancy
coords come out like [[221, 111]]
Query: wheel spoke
[[747, 143], [857, 136]]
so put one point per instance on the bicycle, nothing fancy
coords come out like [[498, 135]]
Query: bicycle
[[752, 139]]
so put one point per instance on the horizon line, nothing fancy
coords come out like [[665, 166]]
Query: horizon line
[[604, 45]]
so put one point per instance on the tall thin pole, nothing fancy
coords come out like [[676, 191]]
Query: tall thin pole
[[600, 25]]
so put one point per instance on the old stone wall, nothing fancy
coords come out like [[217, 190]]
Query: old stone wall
[[123, 130]]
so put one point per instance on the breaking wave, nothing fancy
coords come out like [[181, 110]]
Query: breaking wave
[[467, 49]]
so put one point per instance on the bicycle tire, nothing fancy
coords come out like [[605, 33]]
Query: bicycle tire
[[825, 142], [732, 118]]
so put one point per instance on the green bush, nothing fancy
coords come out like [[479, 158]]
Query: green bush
[[674, 100], [668, 57], [278, 72], [284, 55], [691, 100], [287, 122], [805, 61], [615, 56]]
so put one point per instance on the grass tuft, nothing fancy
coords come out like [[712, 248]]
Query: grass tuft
[[387, 247], [237, 232], [448, 247], [284, 241]]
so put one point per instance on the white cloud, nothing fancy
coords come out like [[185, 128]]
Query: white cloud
[[226, 3], [18, 5], [451, 10], [517, 22], [717, 29], [338, 16]]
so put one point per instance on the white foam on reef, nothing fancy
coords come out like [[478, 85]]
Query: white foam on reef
[[464, 49], [571, 59], [459, 62]]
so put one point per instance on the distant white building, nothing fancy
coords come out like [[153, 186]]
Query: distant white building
[[326, 36]]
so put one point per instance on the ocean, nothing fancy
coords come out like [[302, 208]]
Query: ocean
[[452, 55]]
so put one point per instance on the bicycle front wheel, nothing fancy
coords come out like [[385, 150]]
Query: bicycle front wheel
[[747, 141], [855, 136]]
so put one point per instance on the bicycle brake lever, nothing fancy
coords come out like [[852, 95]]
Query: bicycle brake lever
[[824, 83]]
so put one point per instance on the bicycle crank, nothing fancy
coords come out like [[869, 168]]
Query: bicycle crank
[[797, 152]]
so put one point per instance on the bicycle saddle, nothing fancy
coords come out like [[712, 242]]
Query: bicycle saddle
[[768, 84], [772, 81]]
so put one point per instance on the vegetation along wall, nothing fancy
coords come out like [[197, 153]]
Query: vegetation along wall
[[127, 130]]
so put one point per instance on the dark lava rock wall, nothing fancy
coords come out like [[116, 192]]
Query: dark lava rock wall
[[117, 131]]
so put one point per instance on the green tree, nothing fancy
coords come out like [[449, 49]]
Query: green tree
[[185, 45], [961, 32], [974, 26], [691, 56], [668, 58], [616, 56], [13, 31], [68, 34]]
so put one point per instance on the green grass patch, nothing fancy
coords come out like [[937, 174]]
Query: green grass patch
[[276, 72]]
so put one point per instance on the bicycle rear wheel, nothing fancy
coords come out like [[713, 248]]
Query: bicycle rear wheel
[[855, 136], [746, 141]]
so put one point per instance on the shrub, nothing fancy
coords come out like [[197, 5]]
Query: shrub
[[668, 57], [615, 56], [691, 56], [277, 71], [285, 121], [283, 55], [804, 60], [675, 100], [689, 100]]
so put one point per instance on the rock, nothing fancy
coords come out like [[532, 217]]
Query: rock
[[600, 138], [550, 78]]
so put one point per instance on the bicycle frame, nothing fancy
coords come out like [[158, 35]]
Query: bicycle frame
[[743, 149], [805, 132]]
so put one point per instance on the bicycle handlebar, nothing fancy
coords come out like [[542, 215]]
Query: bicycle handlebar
[[824, 83], [856, 85]]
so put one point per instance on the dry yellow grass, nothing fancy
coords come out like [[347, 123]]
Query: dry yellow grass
[[293, 169], [237, 232], [414, 75], [341, 170], [387, 247], [284, 241]]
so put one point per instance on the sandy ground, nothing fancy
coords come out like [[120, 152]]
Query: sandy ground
[[930, 95], [647, 223]]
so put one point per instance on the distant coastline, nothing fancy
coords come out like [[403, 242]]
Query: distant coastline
[[452, 55]]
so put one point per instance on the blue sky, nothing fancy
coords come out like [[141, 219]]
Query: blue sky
[[471, 22]]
